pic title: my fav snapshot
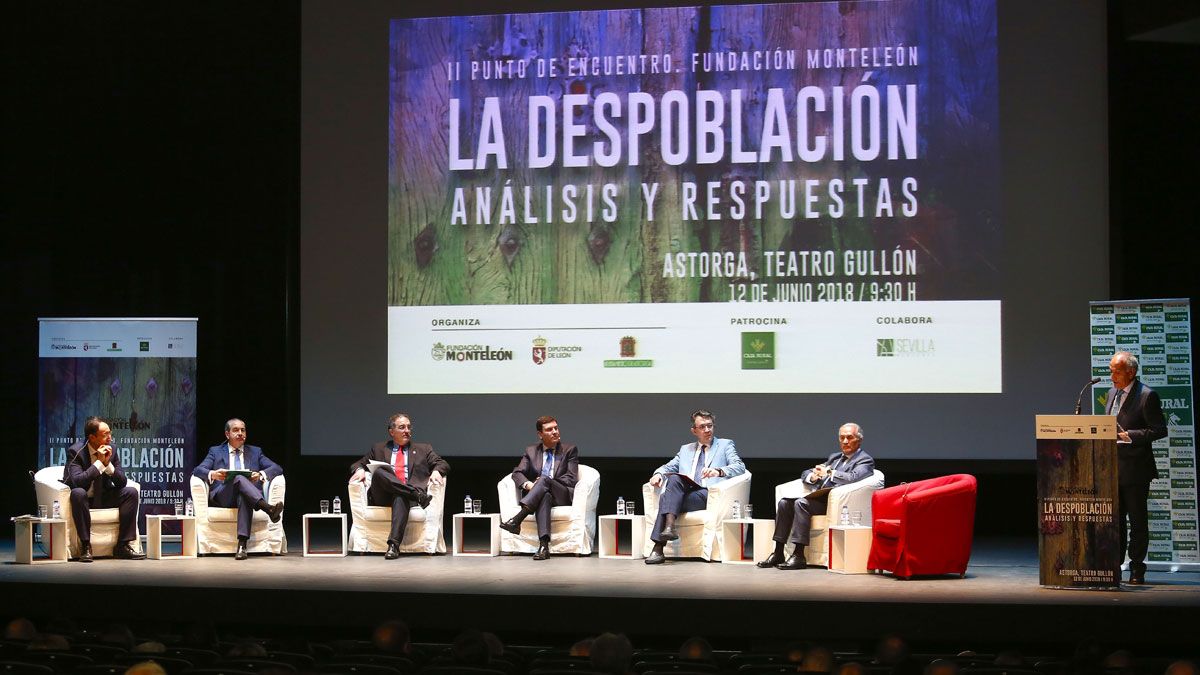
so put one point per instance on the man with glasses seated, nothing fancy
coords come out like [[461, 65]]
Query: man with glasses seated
[[793, 515], [687, 477], [405, 479]]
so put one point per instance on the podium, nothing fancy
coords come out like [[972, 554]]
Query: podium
[[1078, 534]]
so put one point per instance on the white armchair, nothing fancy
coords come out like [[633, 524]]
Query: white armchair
[[372, 524], [105, 524], [216, 527], [855, 496], [700, 534], [572, 528]]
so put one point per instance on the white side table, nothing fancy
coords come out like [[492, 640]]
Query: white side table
[[849, 547], [154, 536], [56, 540], [324, 553], [610, 536], [735, 531], [493, 527]]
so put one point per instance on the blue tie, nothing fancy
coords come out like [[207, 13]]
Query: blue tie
[[1116, 402], [237, 459], [548, 465], [700, 464]]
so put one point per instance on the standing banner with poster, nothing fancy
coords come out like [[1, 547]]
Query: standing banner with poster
[[139, 375], [1158, 332]]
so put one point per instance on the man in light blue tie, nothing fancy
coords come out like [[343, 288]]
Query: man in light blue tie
[[793, 515], [240, 490], [547, 474], [686, 478]]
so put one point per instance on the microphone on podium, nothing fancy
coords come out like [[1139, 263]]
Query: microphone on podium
[[1079, 401]]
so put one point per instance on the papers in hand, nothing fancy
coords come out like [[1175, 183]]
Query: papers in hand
[[230, 474], [687, 480], [374, 464]]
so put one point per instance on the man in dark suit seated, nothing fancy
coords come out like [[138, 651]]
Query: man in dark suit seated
[[411, 469], [793, 515], [96, 479], [243, 491], [1140, 422], [547, 473]]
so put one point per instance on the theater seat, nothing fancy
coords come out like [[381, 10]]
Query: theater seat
[[105, 522], [924, 527], [700, 532], [854, 496], [572, 528], [216, 527], [372, 524]]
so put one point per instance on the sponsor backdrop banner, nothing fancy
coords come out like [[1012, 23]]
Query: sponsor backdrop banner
[[584, 189], [139, 375], [1158, 332]]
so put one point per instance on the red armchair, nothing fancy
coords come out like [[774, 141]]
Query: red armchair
[[924, 527]]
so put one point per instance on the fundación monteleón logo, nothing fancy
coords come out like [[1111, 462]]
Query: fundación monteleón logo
[[460, 353], [758, 350], [904, 347]]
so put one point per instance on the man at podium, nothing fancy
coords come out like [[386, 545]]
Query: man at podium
[[1140, 422]]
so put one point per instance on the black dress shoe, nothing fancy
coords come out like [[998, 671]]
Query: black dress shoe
[[669, 534], [655, 558], [241, 551], [275, 511], [124, 551], [543, 552], [393, 552], [771, 561], [85, 551], [424, 500], [511, 525], [1137, 577], [794, 562]]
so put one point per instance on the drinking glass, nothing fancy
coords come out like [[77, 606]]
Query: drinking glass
[[477, 505], [324, 506]]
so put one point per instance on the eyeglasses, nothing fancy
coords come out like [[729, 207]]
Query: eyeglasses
[[402, 427], [704, 427]]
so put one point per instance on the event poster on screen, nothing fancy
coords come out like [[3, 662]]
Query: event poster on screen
[[756, 198]]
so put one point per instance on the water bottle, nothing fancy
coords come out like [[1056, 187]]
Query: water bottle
[[467, 504], [737, 509], [189, 508], [620, 506], [57, 509], [845, 515], [337, 504]]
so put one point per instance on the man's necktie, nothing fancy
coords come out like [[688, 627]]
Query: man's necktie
[[237, 459], [400, 465], [837, 463], [548, 464], [1118, 396], [696, 475]]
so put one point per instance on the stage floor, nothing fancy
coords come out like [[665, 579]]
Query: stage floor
[[680, 597]]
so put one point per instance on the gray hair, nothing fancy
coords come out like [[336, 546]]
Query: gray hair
[[1128, 359], [857, 429], [230, 421]]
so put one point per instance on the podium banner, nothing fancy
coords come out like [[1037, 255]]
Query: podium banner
[[1078, 537], [139, 375], [1158, 332]]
